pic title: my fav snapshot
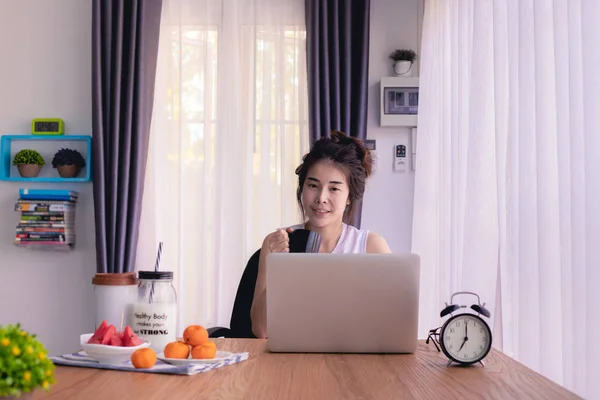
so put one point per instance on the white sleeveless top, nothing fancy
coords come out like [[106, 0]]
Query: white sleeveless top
[[352, 240]]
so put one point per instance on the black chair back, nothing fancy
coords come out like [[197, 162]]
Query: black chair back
[[241, 323]]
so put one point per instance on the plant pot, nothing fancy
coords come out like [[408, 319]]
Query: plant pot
[[29, 170], [68, 171], [403, 68]]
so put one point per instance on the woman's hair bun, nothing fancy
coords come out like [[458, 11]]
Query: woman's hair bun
[[363, 154]]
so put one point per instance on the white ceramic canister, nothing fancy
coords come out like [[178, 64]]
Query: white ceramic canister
[[154, 316], [114, 295]]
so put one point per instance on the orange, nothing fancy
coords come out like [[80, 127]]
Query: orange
[[205, 351], [177, 350], [143, 358], [195, 335]]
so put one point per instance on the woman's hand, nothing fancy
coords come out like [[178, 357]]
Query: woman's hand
[[279, 241]]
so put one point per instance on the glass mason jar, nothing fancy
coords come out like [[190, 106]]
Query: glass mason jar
[[114, 295], [154, 315]]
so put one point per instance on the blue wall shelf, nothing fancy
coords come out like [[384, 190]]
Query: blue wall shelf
[[47, 145]]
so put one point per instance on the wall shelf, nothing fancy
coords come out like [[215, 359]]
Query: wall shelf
[[47, 145]]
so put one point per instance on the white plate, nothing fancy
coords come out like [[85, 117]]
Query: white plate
[[221, 355]]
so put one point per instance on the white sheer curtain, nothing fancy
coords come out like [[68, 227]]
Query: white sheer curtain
[[507, 185], [229, 129]]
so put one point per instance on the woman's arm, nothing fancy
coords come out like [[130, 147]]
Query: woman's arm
[[258, 312], [377, 244], [276, 242]]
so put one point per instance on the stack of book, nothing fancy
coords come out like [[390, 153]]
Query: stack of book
[[47, 218]]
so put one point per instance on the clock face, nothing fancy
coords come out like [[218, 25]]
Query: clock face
[[466, 338], [46, 126]]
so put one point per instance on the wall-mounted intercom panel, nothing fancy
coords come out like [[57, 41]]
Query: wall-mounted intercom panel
[[400, 158]]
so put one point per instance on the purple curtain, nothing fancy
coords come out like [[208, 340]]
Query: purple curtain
[[337, 40], [124, 51]]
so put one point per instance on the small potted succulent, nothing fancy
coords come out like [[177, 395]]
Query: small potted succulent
[[403, 61], [24, 363], [68, 162], [29, 163]]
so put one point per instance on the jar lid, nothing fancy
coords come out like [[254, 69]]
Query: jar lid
[[159, 275], [115, 279]]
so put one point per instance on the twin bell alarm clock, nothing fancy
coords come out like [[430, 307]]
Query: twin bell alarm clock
[[465, 338]]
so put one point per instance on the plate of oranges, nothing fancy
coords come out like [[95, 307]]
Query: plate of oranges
[[193, 348]]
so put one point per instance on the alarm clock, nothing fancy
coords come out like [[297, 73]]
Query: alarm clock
[[465, 338], [47, 126]]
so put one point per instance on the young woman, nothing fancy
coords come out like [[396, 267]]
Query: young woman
[[331, 181]]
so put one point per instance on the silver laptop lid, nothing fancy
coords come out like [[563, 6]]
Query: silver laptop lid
[[356, 303]]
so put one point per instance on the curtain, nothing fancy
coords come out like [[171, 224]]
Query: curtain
[[124, 50], [338, 70], [507, 195], [228, 131]]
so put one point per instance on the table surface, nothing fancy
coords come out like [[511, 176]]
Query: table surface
[[265, 375]]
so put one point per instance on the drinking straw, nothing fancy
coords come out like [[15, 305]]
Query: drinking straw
[[158, 256], [156, 267]]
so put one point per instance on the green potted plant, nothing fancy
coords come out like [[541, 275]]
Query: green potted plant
[[29, 163], [24, 363], [403, 61], [68, 162]]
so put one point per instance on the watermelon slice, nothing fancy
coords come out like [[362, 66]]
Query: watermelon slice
[[108, 335], [110, 332], [116, 340], [130, 339], [99, 334]]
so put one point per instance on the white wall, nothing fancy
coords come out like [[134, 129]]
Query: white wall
[[45, 71], [388, 202]]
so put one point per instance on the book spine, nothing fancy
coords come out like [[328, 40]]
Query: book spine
[[42, 224], [43, 243], [45, 218], [48, 197], [44, 239], [45, 202], [43, 230], [50, 213], [43, 236], [41, 207], [51, 192]]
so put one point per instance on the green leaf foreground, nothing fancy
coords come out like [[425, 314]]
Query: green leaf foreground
[[24, 362]]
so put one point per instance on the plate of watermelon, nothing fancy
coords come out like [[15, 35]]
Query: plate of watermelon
[[109, 346]]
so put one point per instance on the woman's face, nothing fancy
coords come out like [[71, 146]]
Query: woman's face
[[325, 194]]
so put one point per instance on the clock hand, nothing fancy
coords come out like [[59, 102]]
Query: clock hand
[[466, 338]]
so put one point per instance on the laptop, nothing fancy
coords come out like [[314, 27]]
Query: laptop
[[342, 303]]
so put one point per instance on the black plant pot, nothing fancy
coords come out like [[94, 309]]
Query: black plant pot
[[68, 171]]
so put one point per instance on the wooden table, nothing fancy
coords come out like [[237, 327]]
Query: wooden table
[[265, 375]]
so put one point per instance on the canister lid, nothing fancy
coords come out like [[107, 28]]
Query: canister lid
[[158, 275], [116, 279]]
